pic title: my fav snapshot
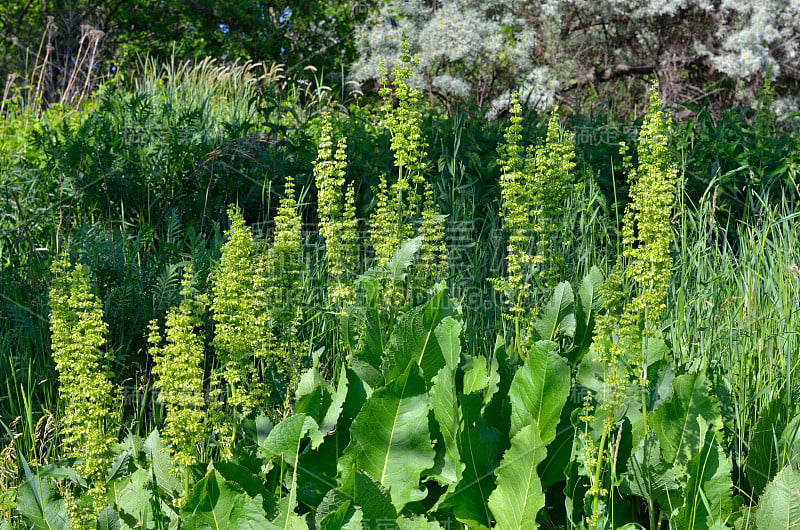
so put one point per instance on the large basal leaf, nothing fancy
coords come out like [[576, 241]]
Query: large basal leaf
[[775, 442], [683, 422], [414, 340], [448, 335], [588, 302], [375, 502], [316, 471], [284, 441], [317, 398], [519, 496], [444, 403], [313, 395], [370, 503], [220, 504], [161, 466], [39, 503], [559, 451], [539, 391], [708, 502], [108, 519], [779, 506], [391, 439], [252, 484], [479, 445], [287, 519], [285, 438], [557, 318], [649, 476], [132, 495]]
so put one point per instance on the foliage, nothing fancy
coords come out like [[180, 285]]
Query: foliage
[[59, 51], [417, 413]]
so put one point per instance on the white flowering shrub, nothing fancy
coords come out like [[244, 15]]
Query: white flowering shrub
[[467, 49], [569, 49]]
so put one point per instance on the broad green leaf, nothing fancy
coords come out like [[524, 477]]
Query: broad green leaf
[[252, 484], [683, 422], [108, 519], [414, 340], [336, 520], [479, 445], [319, 400], [772, 444], [708, 502], [519, 496], [119, 466], [649, 476], [313, 394], [285, 439], [134, 500], [448, 334], [391, 439], [497, 409], [332, 502], [218, 504], [375, 502], [779, 506], [448, 416], [559, 451], [160, 465], [476, 374], [331, 416], [539, 391], [39, 503], [316, 471], [367, 360], [287, 519], [402, 259], [557, 318], [588, 302]]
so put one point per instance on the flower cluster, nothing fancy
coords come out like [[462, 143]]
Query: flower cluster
[[410, 197], [338, 225], [178, 365], [236, 313], [78, 334]]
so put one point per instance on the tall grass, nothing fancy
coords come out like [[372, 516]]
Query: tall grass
[[736, 300]]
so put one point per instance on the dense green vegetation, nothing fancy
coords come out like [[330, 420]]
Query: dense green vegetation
[[234, 296]]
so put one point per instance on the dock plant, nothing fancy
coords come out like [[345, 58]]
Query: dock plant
[[178, 365], [406, 205], [236, 316], [338, 225], [279, 291], [91, 402]]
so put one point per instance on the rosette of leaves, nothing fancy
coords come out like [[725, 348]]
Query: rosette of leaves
[[178, 366], [78, 335]]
